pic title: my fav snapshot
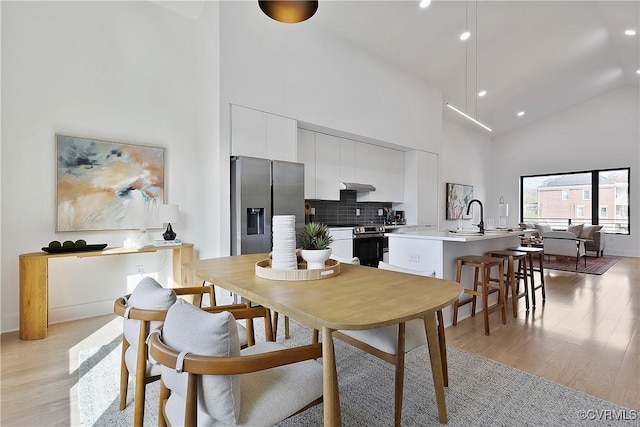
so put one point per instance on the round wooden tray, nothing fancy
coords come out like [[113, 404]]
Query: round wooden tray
[[264, 270]]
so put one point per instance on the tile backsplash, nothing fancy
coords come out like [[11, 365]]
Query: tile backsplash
[[344, 212]]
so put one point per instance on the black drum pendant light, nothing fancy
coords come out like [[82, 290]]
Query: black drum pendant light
[[289, 11]]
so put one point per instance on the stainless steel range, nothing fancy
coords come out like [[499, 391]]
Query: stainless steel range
[[368, 244]]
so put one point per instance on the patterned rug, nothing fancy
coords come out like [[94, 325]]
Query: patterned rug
[[594, 265], [481, 392]]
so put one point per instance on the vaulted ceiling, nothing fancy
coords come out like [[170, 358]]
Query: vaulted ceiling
[[539, 57]]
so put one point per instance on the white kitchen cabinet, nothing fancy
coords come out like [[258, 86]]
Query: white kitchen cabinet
[[307, 156], [342, 245], [327, 167], [396, 176], [256, 133], [248, 132], [347, 160], [281, 138], [379, 173], [362, 163], [384, 170]]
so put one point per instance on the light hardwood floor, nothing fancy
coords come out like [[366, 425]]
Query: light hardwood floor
[[586, 336]]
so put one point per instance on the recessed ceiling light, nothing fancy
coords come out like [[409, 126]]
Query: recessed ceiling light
[[521, 113], [465, 35], [482, 93], [630, 32], [637, 71], [425, 3]]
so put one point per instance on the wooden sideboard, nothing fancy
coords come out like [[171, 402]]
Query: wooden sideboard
[[34, 282]]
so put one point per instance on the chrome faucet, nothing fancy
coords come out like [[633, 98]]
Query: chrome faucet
[[481, 224]]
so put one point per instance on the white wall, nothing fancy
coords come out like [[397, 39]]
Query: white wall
[[299, 71], [123, 71], [467, 158], [598, 134]]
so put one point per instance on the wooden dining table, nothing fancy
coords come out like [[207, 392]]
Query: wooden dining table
[[357, 298]]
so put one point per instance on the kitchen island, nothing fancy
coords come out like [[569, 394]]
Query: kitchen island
[[433, 250]]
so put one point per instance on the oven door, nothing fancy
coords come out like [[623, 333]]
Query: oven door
[[369, 250]]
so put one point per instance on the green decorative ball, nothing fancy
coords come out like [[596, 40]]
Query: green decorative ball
[[68, 244], [80, 243], [55, 244]]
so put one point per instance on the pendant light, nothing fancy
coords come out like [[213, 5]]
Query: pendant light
[[288, 11], [465, 37]]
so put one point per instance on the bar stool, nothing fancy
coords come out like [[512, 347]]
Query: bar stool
[[532, 252], [511, 257], [482, 265]]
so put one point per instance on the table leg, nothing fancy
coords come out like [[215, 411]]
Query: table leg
[[436, 364], [181, 276], [34, 295], [330, 392]]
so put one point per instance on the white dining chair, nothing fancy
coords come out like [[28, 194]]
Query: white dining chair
[[391, 343]]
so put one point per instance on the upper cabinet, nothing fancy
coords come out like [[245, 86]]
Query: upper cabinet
[[327, 167], [255, 133], [347, 160], [384, 169], [319, 154], [307, 156]]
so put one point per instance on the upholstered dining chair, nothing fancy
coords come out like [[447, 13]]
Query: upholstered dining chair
[[144, 310], [390, 343], [208, 380]]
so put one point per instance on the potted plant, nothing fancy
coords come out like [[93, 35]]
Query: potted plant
[[315, 242]]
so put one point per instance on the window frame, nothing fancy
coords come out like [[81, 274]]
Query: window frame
[[594, 197]]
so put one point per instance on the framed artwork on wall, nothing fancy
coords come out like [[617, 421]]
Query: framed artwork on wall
[[458, 197], [106, 185]]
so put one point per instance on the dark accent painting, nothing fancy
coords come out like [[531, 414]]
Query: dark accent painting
[[106, 185], [458, 197]]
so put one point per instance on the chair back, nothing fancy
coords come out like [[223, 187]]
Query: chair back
[[563, 243]]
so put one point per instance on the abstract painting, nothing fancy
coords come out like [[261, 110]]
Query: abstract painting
[[105, 185], [458, 197]]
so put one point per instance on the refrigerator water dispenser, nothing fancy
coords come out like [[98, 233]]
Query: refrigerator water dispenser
[[255, 221]]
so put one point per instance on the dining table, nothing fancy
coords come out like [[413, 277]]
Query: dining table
[[357, 298]]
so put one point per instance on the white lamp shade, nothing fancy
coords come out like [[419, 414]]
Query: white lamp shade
[[168, 213]]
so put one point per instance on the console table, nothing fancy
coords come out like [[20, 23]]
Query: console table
[[34, 282]]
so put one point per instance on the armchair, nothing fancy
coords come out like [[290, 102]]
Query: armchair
[[563, 243], [207, 380], [594, 239]]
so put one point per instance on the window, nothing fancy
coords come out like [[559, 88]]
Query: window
[[603, 212], [589, 197]]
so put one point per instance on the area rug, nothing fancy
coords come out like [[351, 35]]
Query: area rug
[[481, 392], [595, 265]]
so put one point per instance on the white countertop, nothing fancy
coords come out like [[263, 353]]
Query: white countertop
[[445, 235]]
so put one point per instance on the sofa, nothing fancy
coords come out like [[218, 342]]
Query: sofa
[[593, 235]]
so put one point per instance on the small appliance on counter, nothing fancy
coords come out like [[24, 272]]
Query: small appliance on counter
[[394, 217]]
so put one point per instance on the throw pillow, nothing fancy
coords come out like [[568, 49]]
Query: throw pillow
[[147, 295], [575, 229], [543, 228], [187, 328], [589, 231]]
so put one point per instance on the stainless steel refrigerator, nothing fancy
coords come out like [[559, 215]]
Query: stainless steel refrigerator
[[261, 188]]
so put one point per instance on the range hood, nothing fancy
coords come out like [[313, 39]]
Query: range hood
[[354, 186]]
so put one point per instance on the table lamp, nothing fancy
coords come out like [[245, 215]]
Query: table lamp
[[168, 214], [503, 212]]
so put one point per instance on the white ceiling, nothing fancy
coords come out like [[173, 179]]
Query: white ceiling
[[540, 57]]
